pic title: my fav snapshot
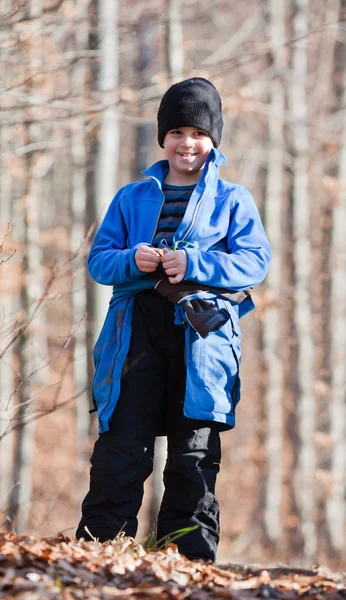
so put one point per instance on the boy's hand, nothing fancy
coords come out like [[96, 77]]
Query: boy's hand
[[148, 258], [174, 264]]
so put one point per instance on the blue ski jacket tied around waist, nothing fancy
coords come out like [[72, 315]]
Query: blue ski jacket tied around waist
[[226, 247]]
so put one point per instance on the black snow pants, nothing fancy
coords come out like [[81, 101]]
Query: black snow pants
[[151, 400]]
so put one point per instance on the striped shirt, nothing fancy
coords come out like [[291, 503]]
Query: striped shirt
[[176, 200]]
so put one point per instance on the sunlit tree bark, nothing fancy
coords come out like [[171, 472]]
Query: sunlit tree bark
[[108, 143], [175, 41], [145, 131], [271, 331], [323, 169], [305, 471], [32, 343], [336, 509], [29, 346], [78, 208], [8, 305]]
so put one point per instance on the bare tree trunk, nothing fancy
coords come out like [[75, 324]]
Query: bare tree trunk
[[144, 131], [20, 497], [320, 111], [17, 193], [271, 342], [32, 348], [8, 304], [175, 41], [305, 472], [335, 507], [78, 206], [108, 146]]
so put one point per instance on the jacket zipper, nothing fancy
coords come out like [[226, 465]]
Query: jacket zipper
[[193, 219], [162, 203]]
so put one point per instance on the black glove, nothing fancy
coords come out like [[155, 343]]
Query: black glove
[[204, 316]]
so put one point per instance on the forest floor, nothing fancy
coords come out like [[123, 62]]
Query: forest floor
[[50, 568]]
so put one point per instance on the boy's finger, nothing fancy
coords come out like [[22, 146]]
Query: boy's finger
[[170, 266], [150, 256], [175, 279], [168, 257], [149, 250], [147, 267], [171, 271], [149, 263]]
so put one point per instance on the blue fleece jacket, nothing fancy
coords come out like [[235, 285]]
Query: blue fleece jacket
[[226, 246]]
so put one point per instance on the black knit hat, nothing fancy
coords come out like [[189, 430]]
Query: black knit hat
[[194, 102]]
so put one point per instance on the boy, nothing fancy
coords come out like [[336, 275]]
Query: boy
[[172, 366]]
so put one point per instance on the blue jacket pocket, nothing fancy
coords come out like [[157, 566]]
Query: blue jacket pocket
[[213, 379], [219, 362]]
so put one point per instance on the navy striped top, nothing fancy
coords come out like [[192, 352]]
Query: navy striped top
[[172, 212]]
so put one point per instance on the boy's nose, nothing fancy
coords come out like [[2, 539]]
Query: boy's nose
[[187, 141]]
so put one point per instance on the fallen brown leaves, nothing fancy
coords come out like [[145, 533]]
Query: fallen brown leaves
[[62, 568]]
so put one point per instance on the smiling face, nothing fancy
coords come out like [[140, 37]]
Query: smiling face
[[186, 149]]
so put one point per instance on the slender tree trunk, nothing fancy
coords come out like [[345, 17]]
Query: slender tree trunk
[[20, 497], [305, 472], [336, 509], [145, 132], [108, 146], [78, 208], [271, 343], [32, 348], [320, 110], [17, 193], [175, 41], [8, 304]]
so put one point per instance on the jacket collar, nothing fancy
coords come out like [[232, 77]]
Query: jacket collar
[[159, 170]]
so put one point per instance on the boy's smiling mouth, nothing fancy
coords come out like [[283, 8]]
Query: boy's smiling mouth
[[186, 149]]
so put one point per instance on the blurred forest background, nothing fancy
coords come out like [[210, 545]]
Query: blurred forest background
[[80, 84]]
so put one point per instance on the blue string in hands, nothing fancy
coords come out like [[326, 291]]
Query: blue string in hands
[[164, 244], [175, 247]]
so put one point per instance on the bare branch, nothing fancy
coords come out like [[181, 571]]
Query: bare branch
[[15, 10], [39, 415]]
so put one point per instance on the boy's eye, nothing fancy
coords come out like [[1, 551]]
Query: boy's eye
[[196, 133]]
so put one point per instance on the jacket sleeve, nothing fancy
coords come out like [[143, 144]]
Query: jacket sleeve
[[246, 262], [109, 261]]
